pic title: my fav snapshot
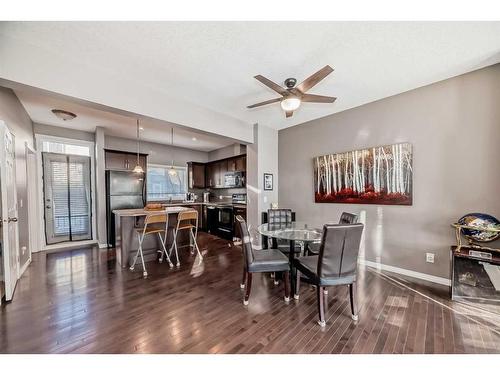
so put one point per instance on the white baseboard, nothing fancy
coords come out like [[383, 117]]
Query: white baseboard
[[68, 245], [402, 271]]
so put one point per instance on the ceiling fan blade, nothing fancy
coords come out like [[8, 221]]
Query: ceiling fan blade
[[315, 78], [264, 103], [311, 98], [273, 86], [288, 113]]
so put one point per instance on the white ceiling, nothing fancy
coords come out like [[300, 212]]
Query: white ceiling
[[211, 64], [39, 106]]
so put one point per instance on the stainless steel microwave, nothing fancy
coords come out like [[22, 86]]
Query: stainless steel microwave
[[234, 180]]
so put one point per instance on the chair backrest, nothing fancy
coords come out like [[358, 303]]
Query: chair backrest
[[246, 243], [347, 218], [154, 218], [188, 215], [339, 249], [279, 216]]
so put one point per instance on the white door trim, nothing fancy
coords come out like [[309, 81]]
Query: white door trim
[[10, 278], [32, 191], [39, 138]]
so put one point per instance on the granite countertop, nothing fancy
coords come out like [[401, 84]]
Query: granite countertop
[[143, 212]]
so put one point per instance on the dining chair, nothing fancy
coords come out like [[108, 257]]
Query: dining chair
[[153, 223], [336, 264], [277, 217], [345, 218], [271, 260], [185, 222]]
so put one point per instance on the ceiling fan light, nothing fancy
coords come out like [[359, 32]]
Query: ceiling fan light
[[290, 104]]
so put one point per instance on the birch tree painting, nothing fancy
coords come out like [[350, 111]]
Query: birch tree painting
[[379, 175]]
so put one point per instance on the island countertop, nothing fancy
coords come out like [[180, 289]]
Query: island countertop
[[143, 212]]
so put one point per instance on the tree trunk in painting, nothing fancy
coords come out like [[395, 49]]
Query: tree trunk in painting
[[379, 175]]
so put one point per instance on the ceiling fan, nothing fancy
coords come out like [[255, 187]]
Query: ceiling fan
[[291, 96]]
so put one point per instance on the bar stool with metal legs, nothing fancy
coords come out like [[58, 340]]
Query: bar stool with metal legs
[[154, 223], [185, 222]]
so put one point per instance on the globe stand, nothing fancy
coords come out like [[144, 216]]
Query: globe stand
[[458, 233]]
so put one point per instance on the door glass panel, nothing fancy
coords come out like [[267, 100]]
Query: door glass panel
[[67, 197]]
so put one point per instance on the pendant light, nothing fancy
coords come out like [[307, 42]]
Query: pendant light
[[172, 171], [138, 168]]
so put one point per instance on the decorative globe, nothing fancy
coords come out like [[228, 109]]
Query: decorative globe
[[479, 220]]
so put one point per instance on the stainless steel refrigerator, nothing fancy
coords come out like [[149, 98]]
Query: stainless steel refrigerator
[[123, 190]]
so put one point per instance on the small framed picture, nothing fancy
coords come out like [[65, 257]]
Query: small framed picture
[[268, 181]]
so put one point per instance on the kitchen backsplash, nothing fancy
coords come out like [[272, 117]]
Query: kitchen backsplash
[[218, 195]]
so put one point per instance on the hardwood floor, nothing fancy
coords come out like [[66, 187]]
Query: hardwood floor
[[80, 301]]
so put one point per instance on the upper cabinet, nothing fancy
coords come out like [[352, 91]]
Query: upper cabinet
[[196, 175], [123, 161], [211, 175]]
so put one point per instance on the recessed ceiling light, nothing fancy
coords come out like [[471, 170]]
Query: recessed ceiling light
[[194, 139], [63, 115]]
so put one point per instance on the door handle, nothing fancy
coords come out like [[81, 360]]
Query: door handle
[[12, 219]]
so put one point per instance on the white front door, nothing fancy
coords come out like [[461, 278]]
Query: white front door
[[10, 238]]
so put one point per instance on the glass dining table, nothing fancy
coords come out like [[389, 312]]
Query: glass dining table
[[293, 232]]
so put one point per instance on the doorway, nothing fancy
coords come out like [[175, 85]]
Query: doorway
[[9, 241], [66, 192]]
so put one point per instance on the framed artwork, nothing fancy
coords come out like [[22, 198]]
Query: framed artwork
[[377, 175], [268, 181]]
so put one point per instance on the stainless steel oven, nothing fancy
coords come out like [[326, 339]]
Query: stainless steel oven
[[234, 180]]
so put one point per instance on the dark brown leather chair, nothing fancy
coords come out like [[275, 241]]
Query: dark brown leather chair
[[279, 216], [271, 260], [345, 218], [336, 264]]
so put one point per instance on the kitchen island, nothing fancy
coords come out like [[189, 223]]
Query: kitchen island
[[127, 242]]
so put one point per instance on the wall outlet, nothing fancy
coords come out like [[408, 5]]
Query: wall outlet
[[429, 257]]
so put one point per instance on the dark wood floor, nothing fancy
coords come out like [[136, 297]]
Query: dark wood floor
[[81, 302]]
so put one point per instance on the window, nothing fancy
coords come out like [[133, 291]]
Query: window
[[163, 186], [65, 148]]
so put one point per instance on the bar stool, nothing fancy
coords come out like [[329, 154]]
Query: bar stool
[[154, 223], [185, 222]]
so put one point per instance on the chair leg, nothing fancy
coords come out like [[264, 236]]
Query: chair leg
[[144, 272], [243, 280], [286, 275], [164, 252], [248, 287], [136, 254], [196, 245], [174, 247], [321, 306], [354, 302], [297, 286]]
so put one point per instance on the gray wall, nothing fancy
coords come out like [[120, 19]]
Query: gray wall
[[18, 121], [454, 126], [157, 153], [57, 131], [226, 152]]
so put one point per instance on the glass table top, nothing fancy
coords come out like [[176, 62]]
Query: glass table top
[[296, 231]]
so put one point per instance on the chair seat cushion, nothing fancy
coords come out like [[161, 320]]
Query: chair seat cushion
[[314, 247], [268, 261], [308, 266], [285, 248]]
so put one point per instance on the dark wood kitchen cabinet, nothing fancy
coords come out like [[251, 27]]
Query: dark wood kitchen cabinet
[[241, 163], [196, 175], [123, 161], [214, 171]]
